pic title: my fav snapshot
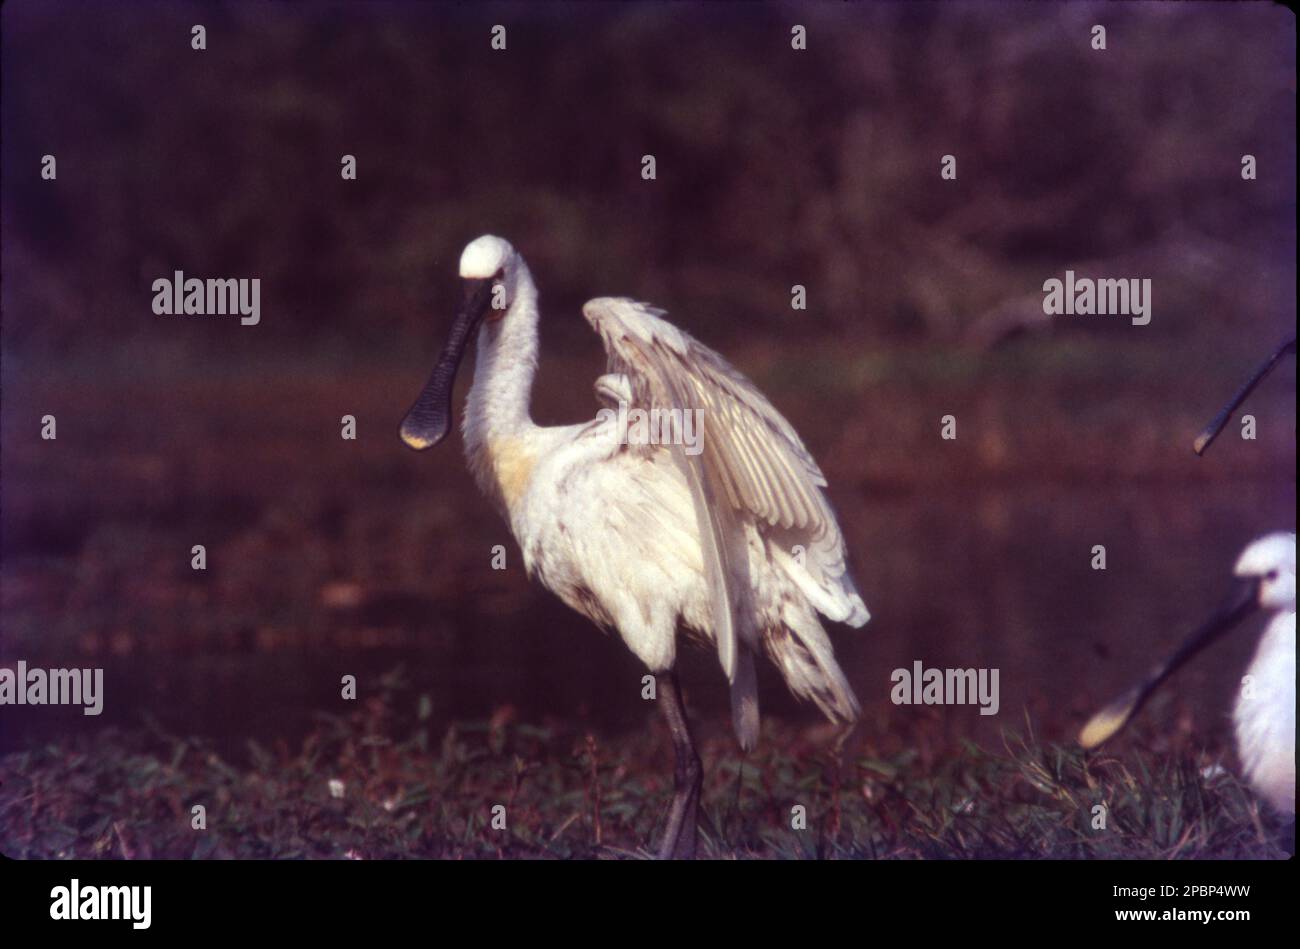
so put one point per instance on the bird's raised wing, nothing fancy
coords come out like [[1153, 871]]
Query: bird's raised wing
[[750, 464]]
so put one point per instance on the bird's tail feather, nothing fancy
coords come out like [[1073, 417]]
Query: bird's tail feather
[[800, 648]]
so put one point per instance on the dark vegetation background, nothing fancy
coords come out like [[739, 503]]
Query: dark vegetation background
[[775, 167]]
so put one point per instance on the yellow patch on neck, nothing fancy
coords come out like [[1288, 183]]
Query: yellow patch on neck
[[512, 463]]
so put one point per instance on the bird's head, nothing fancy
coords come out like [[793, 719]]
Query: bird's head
[[1269, 563], [493, 275], [1265, 575], [492, 261]]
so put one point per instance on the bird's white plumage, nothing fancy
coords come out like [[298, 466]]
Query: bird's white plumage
[[737, 543], [754, 461], [1264, 715]]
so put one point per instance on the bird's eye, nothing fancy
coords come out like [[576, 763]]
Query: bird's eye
[[1271, 575]]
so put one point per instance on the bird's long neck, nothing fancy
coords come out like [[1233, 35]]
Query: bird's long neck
[[498, 424]]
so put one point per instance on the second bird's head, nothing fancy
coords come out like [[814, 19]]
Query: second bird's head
[[1268, 567], [493, 276]]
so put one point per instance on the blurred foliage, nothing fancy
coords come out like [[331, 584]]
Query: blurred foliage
[[775, 167]]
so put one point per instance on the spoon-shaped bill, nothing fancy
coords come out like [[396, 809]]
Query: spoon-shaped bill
[[429, 419], [1117, 714], [1211, 431]]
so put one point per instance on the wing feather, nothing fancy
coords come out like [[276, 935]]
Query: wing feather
[[753, 464]]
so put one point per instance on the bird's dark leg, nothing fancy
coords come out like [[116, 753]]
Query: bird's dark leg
[[678, 842]]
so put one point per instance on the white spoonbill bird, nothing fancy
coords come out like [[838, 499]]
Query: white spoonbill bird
[[1264, 716], [727, 533]]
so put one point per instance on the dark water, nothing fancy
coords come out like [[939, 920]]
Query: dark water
[[983, 578]]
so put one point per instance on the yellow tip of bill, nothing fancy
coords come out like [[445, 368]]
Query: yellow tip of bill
[[1102, 726], [413, 439]]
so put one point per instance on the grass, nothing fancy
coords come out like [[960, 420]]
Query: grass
[[382, 783]]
